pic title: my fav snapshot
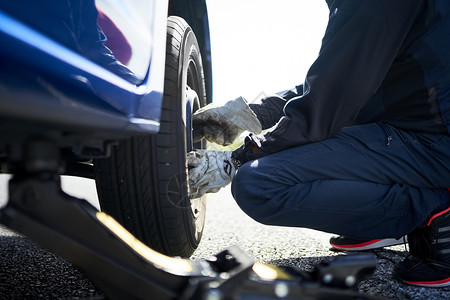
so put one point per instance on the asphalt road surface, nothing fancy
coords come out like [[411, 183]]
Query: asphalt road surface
[[29, 272]]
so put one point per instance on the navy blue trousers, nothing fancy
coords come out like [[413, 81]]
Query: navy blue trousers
[[368, 181]]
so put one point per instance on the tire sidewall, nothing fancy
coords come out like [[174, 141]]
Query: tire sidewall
[[189, 54]]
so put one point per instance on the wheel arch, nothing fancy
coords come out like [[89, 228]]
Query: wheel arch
[[195, 13]]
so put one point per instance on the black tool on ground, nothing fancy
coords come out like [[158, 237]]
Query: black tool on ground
[[124, 268]]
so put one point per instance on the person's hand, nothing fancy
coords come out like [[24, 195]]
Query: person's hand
[[223, 124], [209, 171]]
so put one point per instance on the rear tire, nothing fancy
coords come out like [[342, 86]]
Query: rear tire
[[143, 184]]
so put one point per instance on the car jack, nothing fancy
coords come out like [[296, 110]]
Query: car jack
[[122, 267]]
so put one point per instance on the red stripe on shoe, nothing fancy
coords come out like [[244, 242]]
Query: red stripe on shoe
[[436, 282], [437, 215], [358, 245]]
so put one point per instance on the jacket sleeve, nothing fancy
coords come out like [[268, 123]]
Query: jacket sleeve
[[270, 110], [361, 41]]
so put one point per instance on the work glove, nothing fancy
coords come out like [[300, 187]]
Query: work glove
[[223, 124], [209, 171]]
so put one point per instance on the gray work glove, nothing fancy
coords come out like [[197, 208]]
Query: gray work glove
[[223, 124], [209, 171]]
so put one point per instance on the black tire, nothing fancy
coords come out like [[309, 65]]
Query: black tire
[[143, 184]]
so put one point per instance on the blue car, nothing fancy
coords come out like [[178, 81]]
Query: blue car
[[113, 84]]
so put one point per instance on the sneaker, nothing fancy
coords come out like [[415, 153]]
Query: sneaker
[[429, 261], [343, 243]]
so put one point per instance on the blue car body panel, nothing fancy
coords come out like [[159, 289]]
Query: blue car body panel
[[44, 80]]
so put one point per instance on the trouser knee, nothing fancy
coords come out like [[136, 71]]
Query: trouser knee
[[248, 191]]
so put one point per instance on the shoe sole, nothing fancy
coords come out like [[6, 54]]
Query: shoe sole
[[438, 283], [429, 284], [373, 244]]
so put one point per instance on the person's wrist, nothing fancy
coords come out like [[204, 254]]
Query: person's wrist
[[236, 163], [255, 149]]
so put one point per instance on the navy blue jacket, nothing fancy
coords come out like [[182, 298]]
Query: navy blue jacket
[[380, 61]]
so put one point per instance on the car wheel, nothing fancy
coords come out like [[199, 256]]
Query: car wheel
[[144, 183]]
